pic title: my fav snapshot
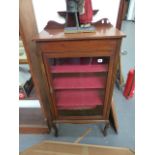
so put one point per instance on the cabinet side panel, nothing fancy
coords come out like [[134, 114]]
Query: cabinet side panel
[[112, 79]]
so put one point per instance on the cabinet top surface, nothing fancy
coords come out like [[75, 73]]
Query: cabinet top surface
[[101, 32]]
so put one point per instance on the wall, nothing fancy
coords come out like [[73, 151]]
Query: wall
[[46, 10]]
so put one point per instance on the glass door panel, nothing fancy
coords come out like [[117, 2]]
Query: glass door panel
[[79, 85]]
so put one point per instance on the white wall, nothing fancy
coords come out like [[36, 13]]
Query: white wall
[[107, 8], [131, 10], [46, 10]]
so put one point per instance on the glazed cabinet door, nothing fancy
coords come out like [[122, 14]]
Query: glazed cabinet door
[[77, 85]]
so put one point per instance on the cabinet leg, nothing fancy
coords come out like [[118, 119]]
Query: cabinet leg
[[55, 130], [107, 125]]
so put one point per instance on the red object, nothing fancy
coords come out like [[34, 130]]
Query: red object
[[21, 96], [79, 68], [75, 99], [88, 15], [74, 82], [130, 84]]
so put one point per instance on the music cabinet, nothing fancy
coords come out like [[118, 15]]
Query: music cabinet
[[80, 70]]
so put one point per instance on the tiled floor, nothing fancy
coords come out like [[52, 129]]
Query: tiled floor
[[125, 110]]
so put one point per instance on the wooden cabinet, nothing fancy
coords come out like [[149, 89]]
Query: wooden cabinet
[[80, 70]]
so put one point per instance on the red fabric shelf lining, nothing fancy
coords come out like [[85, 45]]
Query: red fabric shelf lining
[[78, 99], [79, 82], [79, 68]]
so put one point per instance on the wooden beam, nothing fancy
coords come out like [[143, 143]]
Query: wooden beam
[[28, 28], [65, 148], [80, 121], [33, 129], [120, 14]]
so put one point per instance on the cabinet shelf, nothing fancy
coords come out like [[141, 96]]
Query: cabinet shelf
[[79, 68], [78, 99], [73, 82]]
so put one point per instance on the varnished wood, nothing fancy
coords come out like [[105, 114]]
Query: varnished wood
[[65, 148], [107, 92], [75, 54], [28, 28], [33, 129], [80, 121], [105, 42], [85, 46], [120, 14], [50, 80], [54, 25], [115, 63], [102, 32]]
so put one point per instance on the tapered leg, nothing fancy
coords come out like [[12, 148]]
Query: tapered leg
[[55, 129], [107, 125]]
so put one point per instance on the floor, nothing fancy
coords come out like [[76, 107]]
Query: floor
[[125, 110]]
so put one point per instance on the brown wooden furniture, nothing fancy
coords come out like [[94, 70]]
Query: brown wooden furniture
[[80, 70], [28, 28], [33, 120], [53, 148]]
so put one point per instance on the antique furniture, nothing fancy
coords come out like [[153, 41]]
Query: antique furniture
[[80, 70], [28, 28], [53, 148]]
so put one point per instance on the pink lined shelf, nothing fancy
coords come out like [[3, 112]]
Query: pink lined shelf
[[79, 68], [79, 82], [73, 99]]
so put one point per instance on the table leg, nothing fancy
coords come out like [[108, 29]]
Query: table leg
[[55, 129]]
